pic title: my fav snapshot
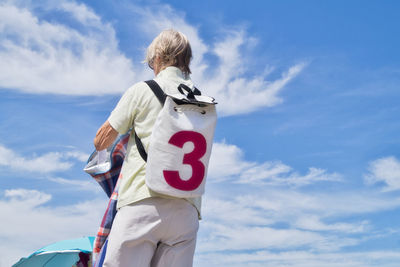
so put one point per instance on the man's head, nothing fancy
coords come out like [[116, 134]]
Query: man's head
[[169, 48]]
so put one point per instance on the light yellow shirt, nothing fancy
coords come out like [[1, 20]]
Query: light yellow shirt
[[138, 109]]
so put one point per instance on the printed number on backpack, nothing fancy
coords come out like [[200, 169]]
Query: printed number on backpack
[[193, 159]]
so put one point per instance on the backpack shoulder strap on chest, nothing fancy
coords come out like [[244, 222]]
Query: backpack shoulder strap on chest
[[159, 93]]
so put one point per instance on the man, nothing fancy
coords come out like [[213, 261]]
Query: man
[[150, 229]]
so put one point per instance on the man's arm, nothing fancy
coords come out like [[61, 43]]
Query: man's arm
[[105, 136]]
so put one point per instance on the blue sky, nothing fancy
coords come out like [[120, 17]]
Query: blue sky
[[305, 170]]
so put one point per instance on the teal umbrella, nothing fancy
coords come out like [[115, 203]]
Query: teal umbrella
[[61, 254]]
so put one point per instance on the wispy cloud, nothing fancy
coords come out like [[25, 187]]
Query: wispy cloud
[[236, 92], [296, 210], [265, 216], [227, 161], [49, 224], [263, 213], [255, 223], [264, 207], [77, 185], [79, 155], [314, 223], [47, 163], [41, 56], [228, 238], [285, 221], [265, 258], [384, 170]]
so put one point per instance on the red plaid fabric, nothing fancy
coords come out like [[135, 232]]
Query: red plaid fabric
[[109, 181]]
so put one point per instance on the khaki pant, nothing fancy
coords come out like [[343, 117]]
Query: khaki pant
[[154, 232]]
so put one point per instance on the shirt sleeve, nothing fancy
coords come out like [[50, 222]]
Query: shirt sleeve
[[123, 115]]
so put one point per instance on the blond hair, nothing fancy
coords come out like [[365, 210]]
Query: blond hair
[[172, 48]]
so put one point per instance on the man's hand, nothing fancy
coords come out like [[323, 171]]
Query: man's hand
[[105, 136]]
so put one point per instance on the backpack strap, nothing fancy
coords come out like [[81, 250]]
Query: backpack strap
[[140, 148], [159, 93], [189, 92]]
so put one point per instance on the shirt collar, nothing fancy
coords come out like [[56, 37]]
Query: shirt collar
[[171, 71]]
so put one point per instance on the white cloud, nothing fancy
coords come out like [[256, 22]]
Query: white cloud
[[226, 237], [30, 198], [264, 258], [263, 215], [276, 222], [77, 185], [313, 175], [83, 14], [226, 80], [277, 173], [79, 155], [47, 163], [151, 20], [295, 210], [269, 210], [223, 211], [262, 223], [236, 92], [39, 56], [239, 94], [227, 161], [314, 223], [286, 204], [384, 170], [47, 224]]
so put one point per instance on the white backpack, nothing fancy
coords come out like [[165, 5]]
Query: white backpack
[[180, 143]]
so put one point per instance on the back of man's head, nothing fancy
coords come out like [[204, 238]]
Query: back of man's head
[[170, 48]]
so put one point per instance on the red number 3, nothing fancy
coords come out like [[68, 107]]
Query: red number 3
[[193, 159]]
